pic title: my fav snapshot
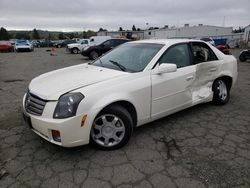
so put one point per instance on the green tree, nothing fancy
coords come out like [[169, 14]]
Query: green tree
[[61, 36], [35, 34], [22, 35], [84, 34], [4, 34], [101, 29], [88, 34], [71, 35], [133, 28]]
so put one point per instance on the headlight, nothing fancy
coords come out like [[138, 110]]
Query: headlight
[[67, 105]]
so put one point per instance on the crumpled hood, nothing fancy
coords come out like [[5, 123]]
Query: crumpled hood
[[52, 85]]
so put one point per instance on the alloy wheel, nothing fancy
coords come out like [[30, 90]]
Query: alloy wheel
[[108, 130], [222, 88]]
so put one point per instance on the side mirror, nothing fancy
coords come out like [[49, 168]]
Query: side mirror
[[166, 68]]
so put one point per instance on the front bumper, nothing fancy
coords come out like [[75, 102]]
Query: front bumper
[[71, 132], [23, 48]]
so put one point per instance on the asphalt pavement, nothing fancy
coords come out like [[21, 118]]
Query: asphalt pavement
[[203, 146]]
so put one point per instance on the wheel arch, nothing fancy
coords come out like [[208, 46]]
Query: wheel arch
[[125, 104], [228, 80], [94, 50], [75, 47]]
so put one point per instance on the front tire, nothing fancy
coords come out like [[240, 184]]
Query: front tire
[[75, 51], [112, 128], [93, 55], [221, 92]]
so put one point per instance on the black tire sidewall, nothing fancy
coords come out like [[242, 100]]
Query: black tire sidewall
[[242, 58], [124, 115], [216, 98], [73, 51], [91, 55]]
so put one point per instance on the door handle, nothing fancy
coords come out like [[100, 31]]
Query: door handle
[[189, 78], [212, 69]]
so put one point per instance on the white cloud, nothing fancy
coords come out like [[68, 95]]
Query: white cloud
[[111, 14]]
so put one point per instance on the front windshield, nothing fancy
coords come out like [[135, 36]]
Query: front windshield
[[129, 57], [21, 41]]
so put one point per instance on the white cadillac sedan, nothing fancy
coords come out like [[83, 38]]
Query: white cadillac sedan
[[135, 83]]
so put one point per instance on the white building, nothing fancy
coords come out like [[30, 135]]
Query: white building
[[119, 34], [246, 36], [200, 31], [189, 32]]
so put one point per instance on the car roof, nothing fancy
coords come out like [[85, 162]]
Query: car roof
[[166, 41], [117, 39]]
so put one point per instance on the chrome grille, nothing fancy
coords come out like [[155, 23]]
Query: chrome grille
[[34, 105]]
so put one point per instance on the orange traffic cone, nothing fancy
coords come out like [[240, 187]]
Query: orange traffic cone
[[53, 52]]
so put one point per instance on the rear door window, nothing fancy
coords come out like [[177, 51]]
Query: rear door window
[[108, 43], [118, 42], [202, 53]]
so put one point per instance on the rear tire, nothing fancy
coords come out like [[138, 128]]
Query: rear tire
[[221, 92], [112, 128], [242, 58], [93, 55]]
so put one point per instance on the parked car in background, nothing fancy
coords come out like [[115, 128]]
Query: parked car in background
[[244, 55], [224, 49], [12, 41], [208, 39], [23, 45], [93, 52], [35, 43], [6, 46], [233, 43], [98, 39], [45, 43], [134, 84], [64, 43], [75, 48]]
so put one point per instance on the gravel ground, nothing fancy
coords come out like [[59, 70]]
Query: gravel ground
[[212, 146]]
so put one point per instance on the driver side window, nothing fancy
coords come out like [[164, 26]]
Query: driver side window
[[178, 54]]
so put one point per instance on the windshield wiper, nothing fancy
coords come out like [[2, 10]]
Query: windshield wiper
[[118, 65], [90, 63], [101, 62]]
